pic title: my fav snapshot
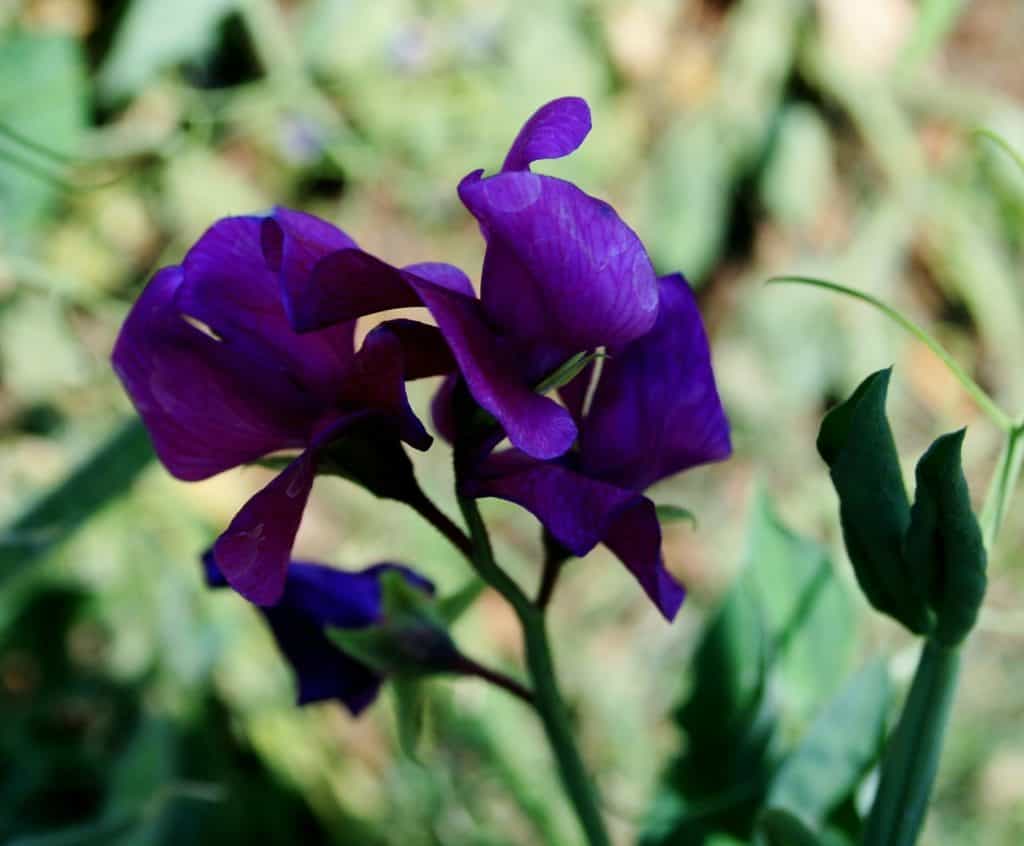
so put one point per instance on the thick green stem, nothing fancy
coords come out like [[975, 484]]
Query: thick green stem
[[547, 700], [912, 756]]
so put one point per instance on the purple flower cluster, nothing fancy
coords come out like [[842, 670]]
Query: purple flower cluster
[[247, 349]]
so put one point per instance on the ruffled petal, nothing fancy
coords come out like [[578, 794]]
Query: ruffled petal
[[635, 538], [230, 288], [350, 283], [561, 267], [555, 130], [656, 409], [292, 243], [208, 404], [254, 551]]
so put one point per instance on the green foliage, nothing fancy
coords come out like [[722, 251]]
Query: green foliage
[[837, 750], [774, 648], [154, 35], [106, 474], [777, 827], [46, 107]]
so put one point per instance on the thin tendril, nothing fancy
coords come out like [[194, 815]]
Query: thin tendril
[[977, 393]]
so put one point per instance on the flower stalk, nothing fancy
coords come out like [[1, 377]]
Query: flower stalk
[[547, 699]]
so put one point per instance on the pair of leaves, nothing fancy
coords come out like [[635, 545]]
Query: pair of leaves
[[924, 564]]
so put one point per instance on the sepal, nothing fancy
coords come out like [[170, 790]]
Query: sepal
[[410, 640]]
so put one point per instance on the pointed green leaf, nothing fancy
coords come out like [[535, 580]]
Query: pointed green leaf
[[410, 713], [567, 371], [104, 475], [857, 444], [781, 828], [837, 750], [453, 606], [675, 514], [944, 548]]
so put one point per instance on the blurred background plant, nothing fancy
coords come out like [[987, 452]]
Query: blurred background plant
[[741, 138]]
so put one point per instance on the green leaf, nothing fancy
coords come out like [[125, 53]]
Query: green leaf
[[729, 720], [46, 106], [104, 475], [154, 35], [837, 750], [944, 548], [675, 514], [781, 639], [807, 611], [453, 606], [99, 833], [780, 828], [410, 713], [857, 444]]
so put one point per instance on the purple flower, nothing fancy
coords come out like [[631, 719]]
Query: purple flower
[[562, 274], [210, 360], [654, 412], [314, 599]]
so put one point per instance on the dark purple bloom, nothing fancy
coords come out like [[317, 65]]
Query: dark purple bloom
[[655, 411], [209, 358], [562, 274], [314, 599]]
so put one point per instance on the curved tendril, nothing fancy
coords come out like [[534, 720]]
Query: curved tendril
[[976, 392]]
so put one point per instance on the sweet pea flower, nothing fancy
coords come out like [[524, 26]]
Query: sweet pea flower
[[210, 360], [315, 598], [654, 412], [562, 274]]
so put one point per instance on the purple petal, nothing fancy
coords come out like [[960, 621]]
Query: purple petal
[[580, 513], [254, 551], [350, 283], [207, 403], [292, 243], [442, 408], [555, 130], [656, 410], [635, 538], [230, 288], [561, 267], [425, 352], [576, 510], [376, 382]]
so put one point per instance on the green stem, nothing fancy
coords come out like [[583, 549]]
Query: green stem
[[977, 393], [547, 700], [1003, 484], [912, 756]]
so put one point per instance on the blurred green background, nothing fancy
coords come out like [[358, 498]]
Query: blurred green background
[[740, 138]]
